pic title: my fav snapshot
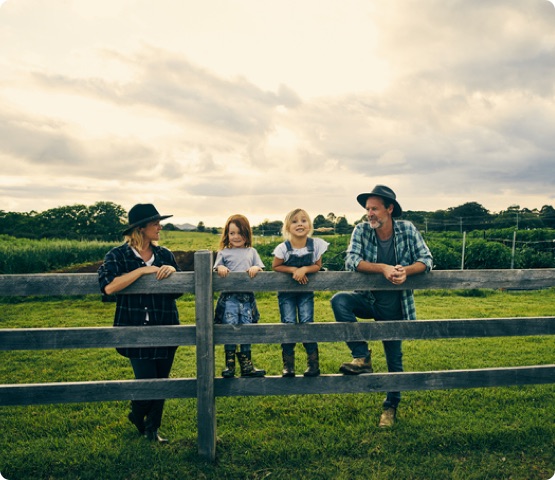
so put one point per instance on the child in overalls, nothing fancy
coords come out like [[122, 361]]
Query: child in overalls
[[299, 255]]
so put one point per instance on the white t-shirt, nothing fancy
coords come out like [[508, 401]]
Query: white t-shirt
[[320, 247]]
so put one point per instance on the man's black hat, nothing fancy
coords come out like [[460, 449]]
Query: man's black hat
[[384, 192]]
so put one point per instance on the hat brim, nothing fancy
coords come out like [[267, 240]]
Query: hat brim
[[130, 227], [397, 210]]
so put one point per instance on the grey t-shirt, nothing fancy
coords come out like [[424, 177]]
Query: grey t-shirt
[[388, 303], [238, 259]]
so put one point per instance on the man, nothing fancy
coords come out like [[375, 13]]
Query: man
[[396, 250]]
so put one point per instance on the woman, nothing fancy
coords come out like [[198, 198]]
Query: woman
[[140, 255]]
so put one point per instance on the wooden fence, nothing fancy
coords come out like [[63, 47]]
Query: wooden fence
[[205, 335]]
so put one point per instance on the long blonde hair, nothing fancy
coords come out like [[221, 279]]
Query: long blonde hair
[[244, 227], [136, 239], [289, 220]]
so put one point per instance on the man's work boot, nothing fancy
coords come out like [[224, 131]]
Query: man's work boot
[[357, 366], [388, 417]]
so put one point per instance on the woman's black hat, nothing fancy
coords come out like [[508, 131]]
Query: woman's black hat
[[141, 214]]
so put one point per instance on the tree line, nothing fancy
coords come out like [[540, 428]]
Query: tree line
[[104, 221], [464, 218]]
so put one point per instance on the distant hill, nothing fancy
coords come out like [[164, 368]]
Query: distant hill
[[186, 226]]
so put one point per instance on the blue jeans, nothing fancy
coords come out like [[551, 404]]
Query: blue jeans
[[291, 305], [347, 306], [237, 313]]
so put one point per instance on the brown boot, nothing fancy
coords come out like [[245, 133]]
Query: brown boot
[[387, 418], [313, 365], [358, 366], [288, 365], [247, 368], [229, 371]]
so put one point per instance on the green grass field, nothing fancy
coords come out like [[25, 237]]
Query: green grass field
[[498, 433]]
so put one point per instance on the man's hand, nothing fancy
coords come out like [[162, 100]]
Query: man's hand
[[395, 274]]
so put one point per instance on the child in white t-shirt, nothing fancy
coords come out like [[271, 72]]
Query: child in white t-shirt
[[299, 255]]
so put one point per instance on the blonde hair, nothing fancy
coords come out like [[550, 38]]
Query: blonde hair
[[244, 227], [289, 220], [136, 239]]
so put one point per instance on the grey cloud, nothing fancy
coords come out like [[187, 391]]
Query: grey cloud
[[493, 45], [42, 143], [170, 85]]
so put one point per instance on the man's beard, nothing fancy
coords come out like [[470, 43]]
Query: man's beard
[[374, 224]]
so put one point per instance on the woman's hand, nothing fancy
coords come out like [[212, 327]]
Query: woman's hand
[[164, 271]]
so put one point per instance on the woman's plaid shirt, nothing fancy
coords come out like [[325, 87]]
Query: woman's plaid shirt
[[131, 309]]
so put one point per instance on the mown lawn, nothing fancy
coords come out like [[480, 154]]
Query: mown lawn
[[498, 433]]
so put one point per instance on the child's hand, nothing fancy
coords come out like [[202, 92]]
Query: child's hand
[[222, 271], [299, 275], [253, 271]]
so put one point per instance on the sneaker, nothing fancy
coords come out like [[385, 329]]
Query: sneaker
[[388, 417], [357, 366]]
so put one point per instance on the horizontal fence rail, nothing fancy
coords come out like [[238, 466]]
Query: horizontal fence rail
[[203, 283], [183, 335], [184, 282], [81, 392]]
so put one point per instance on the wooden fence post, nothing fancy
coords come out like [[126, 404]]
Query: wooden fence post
[[206, 363]]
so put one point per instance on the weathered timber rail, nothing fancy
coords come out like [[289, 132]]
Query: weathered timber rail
[[205, 387]]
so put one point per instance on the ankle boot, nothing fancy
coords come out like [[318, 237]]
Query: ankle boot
[[313, 365], [247, 368], [358, 365], [288, 365], [229, 371], [154, 436]]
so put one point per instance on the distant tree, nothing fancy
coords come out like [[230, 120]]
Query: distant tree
[[268, 228], [519, 218], [470, 216], [101, 221], [201, 227], [71, 222], [342, 226], [17, 224], [321, 221], [547, 215], [106, 221], [469, 209], [170, 227]]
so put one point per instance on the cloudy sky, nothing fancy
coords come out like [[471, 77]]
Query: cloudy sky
[[214, 107]]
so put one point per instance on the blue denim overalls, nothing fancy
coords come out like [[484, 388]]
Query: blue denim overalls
[[301, 303]]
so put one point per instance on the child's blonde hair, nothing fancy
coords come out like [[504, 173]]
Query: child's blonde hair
[[289, 220], [244, 227]]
